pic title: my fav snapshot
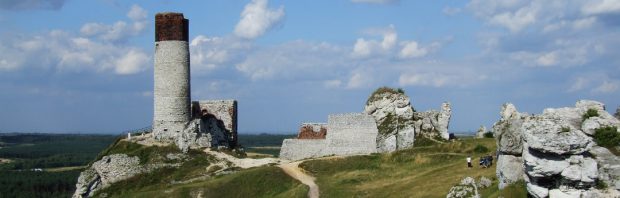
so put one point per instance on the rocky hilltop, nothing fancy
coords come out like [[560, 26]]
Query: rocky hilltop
[[398, 122], [555, 153]]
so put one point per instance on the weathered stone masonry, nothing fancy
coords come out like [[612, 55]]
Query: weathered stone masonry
[[224, 111], [347, 134], [171, 76]]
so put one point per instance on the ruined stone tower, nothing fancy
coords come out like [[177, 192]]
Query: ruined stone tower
[[172, 79]]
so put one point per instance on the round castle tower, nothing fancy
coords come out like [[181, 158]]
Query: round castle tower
[[171, 75]]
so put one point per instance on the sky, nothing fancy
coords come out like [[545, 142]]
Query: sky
[[69, 66]]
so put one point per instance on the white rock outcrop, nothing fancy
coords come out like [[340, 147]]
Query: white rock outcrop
[[393, 114], [466, 189], [481, 131], [399, 124], [554, 153], [108, 170]]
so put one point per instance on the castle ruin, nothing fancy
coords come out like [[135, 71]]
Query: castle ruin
[[208, 123]]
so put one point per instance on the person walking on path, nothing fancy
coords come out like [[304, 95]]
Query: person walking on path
[[469, 162]]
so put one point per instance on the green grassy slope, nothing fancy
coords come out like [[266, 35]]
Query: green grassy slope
[[194, 177], [428, 171]]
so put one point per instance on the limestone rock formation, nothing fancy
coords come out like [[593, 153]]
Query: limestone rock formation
[[553, 151], [466, 189], [443, 120], [393, 114], [484, 182], [398, 122], [481, 131], [108, 170], [434, 124], [195, 135], [608, 166], [509, 170]]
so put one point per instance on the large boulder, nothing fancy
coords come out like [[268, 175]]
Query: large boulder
[[481, 131], [443, 120], [108, 170], [393, 114], [194, 135], [509, 170], [466, 189], [507, 130], [554, 151], [434, 124], [556, 136]]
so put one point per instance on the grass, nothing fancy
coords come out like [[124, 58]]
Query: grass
[[428, 171], [516, 190], [255, 182], [147, 154]]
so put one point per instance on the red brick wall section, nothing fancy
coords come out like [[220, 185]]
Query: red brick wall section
[[306, 132], [171, 26]]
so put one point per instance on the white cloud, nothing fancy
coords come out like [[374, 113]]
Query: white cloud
[[579, 84], [132, 62], [120, 31], [257, 18], [332, 83], [547, 59], [137, 13], [515, 21], [607, 87], [411, 49], [357, 80], [293, 60], [209, 53], [425, 79], [95, 50], [601, 7], [364, 48], [376, 1]]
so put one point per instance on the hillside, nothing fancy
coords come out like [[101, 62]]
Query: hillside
[[425, 171]]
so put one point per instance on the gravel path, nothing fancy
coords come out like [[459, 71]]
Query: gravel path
[[293, 170]]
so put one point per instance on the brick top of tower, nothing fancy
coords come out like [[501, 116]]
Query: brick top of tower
[[170, 26]]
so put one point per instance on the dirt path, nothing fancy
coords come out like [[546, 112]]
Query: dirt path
[[243, 162], [293, 170]]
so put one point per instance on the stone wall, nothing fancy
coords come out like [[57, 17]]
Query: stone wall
[[348, 134], [312, 131], [219, 110], [171, 76]]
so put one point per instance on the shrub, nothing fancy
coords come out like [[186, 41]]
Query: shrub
[[601, 185], [481, 148], [607, 137], [590, 113], [488, 135], [382, 90], [565, 129]]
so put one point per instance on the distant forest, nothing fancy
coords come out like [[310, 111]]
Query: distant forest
[[28, 152]]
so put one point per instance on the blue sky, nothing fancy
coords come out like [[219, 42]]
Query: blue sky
[[87, 66]]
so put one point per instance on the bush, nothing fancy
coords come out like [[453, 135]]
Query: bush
[[481, 148], [382, 90], [607, 137], [488, 135], [590, 113], [601, 185]]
